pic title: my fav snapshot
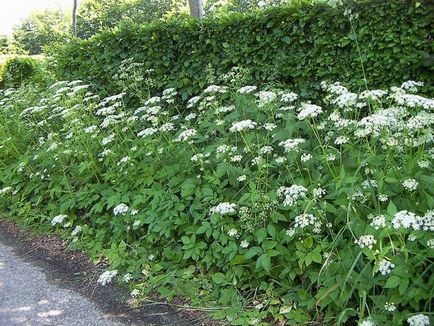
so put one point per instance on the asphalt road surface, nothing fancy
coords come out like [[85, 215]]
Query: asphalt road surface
[[28, 298]]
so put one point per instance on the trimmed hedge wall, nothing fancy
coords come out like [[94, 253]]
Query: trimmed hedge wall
[[299, 45]]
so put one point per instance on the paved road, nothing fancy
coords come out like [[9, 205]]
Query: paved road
[[28, 299]]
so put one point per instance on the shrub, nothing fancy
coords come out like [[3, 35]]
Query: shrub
[[298, 45], [16, 70], [248, 200]]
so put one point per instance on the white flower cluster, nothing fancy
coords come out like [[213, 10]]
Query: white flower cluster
[[247, 89], [385, 267], [418, 320], [410, 184], [367, 241], [265, 97], [390, 306], [411, 85], [242, 125], [405, 219], [304, 220], [224, 209], [308, 110], [288, 97], [58, 219], [290, 195], [106, 277], [291, 144], [186, 135], [378, 222], [367, 322], [147, 132], [5, 190], [120, 209]]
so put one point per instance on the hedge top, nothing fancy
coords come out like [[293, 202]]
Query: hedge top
[[298, 45]]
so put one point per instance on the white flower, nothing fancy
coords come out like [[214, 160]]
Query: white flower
[[366, 241], [410, 184], [367, 322], [266, 149], [225, 109], [152, 101], [411, 85], [418, 320], [309, 111], [291, 144], [190, 116], [186, 135], [385, 267], [90, 129], [430, 243], [389, 306], [341, 140], [233, 233], [120, 209], [378, 222], [406, 220], [242, 178], [288, 97], [236, 158], [280, 160], [151, 257], [167, 127], [266, 97], [224, 209], [367, 184], [306, 157], [291, 194], [107, 139], [147, 132], [58, 219], [318, 192], [127, 278], [192, 102], [290, 232], [383, 198], [269, 126], [331, 157], [247, 89], [242, 125], [244, 244], [423, 164], [76, 230], [5, 190], [135, 293], [106, 277], [214, 89]]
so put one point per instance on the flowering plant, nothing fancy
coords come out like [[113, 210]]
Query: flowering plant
[[255, 200]]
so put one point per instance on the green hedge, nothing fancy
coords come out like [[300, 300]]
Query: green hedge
[[15, 70], [298, 45]]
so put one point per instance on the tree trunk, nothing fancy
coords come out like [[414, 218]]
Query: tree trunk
[[196, 8], [74, 19]]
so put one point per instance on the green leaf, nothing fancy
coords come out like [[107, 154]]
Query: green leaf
[[261, 234], [219, 278], [264, 261], [392, 282]]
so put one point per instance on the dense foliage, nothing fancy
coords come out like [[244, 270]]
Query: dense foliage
[[16, 70], [249, 199], [299, 45], [97, 15], [40, 29]]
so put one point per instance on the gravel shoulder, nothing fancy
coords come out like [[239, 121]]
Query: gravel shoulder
[[44, 283]]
